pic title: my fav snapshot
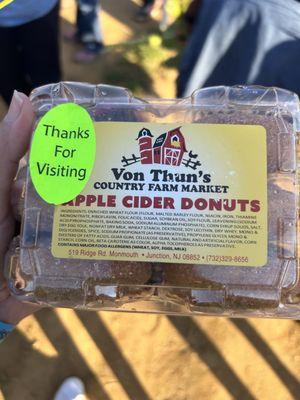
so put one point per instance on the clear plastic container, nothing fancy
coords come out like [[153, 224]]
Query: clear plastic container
[[243, 259]]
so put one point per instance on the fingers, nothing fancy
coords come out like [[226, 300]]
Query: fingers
[[4, 293], [18, 191], [12, 310], [17, 197], [20, 127], [15, 133]]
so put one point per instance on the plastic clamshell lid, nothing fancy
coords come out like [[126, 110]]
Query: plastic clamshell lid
[[272, 290]]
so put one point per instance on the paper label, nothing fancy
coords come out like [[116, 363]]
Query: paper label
[[194, 194], [62, 153]]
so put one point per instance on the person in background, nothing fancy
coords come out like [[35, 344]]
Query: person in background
[[71, 389], [191, 13], [144, 12], [88, 31], [29, 46], [242, 42]]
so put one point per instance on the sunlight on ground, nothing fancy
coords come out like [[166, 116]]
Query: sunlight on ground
[[90, 353], [29, 327], [222, 332]]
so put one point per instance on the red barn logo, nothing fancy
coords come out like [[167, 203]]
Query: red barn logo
[[168, 148]]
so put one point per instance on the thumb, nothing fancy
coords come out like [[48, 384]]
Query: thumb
[[19, 122], [15, 133]]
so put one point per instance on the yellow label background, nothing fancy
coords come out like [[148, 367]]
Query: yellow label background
[[234, 155]]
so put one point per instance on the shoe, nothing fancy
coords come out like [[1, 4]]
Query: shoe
[[88, 53], [144, 13], [71, 36], [71, 389]]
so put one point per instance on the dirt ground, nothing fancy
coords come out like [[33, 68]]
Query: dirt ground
[[137, 356]]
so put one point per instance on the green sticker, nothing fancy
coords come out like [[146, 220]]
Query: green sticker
[[62, 153]]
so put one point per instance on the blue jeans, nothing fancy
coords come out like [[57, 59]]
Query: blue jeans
[[88, 24], [148, 2]]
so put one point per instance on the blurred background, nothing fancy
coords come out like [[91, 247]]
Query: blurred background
[[137, 54], [138, 356]]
